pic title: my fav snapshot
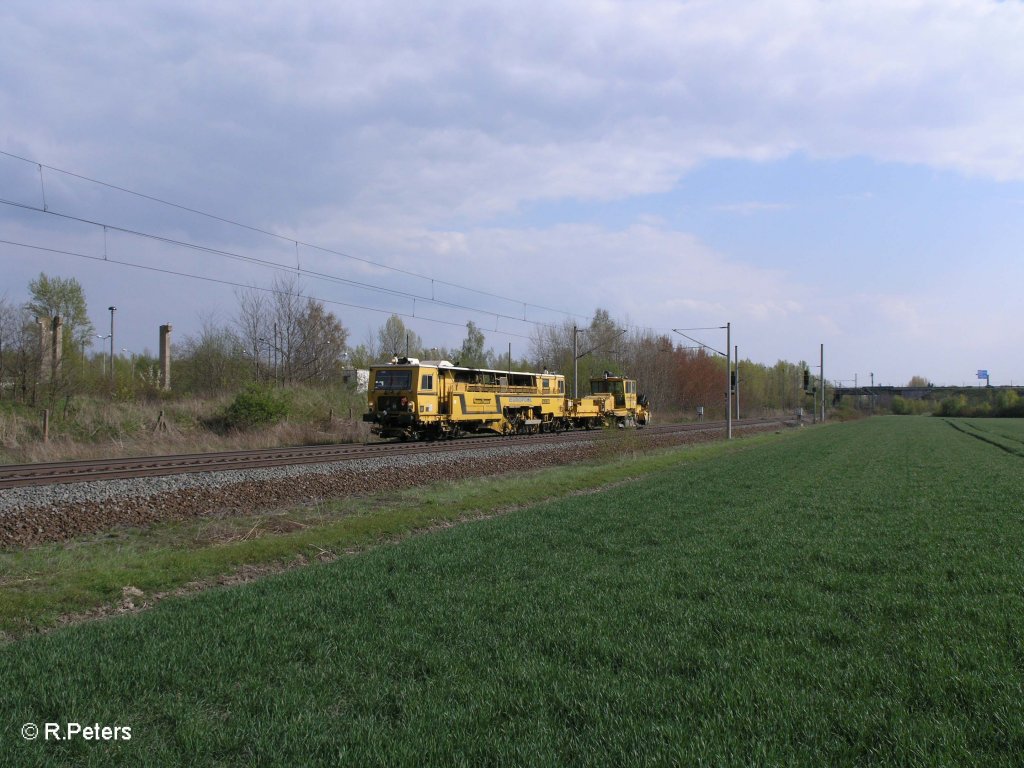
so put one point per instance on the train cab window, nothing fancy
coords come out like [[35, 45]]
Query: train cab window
[[601, 386], [427, 381], [547, 385], [561, 386], [393, 381]]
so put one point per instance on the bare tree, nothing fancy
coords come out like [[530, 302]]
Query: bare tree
[[551, 346], [21, 353], [8, 339], [252, 322], [292, 337], [319, 343], [651, 360]]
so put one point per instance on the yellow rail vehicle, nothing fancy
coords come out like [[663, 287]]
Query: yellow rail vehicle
[[622, 404], [414, 400], [613, 400]]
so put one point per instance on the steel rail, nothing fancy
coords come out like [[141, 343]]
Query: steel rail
[[55, 473]]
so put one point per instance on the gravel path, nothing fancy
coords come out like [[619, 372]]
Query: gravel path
[[55, 513]]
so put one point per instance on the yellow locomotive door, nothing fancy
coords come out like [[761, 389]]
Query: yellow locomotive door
[[444, 395]]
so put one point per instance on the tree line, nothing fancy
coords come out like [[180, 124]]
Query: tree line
[[280, 336]]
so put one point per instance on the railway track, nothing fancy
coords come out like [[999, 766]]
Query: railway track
[[55, 473]]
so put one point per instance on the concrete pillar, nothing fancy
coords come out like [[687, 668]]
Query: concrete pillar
[[44, 349], [165, 356], [57, 345]]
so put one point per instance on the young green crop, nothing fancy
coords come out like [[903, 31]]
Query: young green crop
[[849, 596]]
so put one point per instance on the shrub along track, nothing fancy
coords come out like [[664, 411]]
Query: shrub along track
[[66, 502]]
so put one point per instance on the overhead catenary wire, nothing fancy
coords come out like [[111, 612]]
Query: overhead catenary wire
[[232, 283], [298, 267], [698, 341], [268, 233], [263, 262]]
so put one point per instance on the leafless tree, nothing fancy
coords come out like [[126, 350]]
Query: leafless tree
[[8, 336], [21, 353], [292, 337]]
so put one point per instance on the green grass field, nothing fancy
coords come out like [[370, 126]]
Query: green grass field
[[843, 596]]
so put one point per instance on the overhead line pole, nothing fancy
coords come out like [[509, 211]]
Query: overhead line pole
[[737, 355], [575, 364], [112, 310], [576, 355], [822, 383], [728, 366], [728, 382]]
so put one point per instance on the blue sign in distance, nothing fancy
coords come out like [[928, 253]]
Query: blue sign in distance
[[982, 374]]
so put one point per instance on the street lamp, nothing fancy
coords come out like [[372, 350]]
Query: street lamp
[[103, 360], [112, 310]]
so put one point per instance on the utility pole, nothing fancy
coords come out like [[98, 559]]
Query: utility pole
[[112, 310], [575, 363], [728, 367], [822, 383], [728, 382], [737, 354]]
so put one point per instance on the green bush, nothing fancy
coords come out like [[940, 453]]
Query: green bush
[[1007, 404], [903, 407], [255, 406], [953, 406]]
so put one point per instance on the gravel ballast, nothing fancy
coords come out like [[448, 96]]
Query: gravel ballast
[[35, 515]]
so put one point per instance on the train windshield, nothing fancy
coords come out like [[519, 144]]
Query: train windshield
[[393, 381], [603, 386]]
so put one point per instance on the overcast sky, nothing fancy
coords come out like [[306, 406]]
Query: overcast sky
[[848, 173]]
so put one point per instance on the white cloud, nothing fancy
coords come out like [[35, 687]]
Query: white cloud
[[476, 110], [400, 131]]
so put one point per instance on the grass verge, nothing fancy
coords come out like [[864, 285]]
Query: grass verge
[[51, 584], [846, 596]]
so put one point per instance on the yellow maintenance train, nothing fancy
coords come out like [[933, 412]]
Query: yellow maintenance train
[[428, 400]]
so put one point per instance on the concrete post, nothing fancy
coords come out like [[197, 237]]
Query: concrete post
[[57, 345], [45, 367], [165, 356]]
